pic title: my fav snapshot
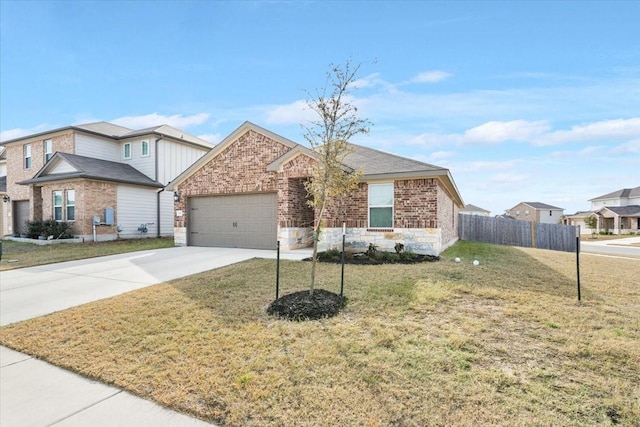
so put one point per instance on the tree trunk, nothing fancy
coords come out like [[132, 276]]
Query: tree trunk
[[314, 261]]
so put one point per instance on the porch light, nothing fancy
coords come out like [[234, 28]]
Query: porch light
[[176, 196], [6, 198]]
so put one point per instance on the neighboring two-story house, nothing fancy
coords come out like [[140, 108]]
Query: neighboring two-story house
[[107, 180], [618, 212], [536, 212]]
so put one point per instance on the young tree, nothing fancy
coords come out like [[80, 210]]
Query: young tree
[[592, 222], [337, 122]]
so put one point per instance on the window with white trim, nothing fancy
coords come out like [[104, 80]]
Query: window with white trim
[[126, 150], [71, 205], [145, 148], [48, 149], [57, 205], [381, 205], [27, 156]]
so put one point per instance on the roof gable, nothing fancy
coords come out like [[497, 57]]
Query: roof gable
[[224, 144], [65, 166]]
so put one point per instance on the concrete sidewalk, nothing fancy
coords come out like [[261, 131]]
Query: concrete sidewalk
[[35, 393]]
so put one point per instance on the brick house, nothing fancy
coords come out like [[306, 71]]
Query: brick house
[[536, 212], [248, 191], [98, 170]]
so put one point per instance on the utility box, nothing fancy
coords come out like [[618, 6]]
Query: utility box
[[109, 216], [96, 220]]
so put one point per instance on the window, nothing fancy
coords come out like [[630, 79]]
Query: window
[[57, 205], [381, 205], [48, 150], [145, 148], [127, 150], [27, 156], [71, 205]]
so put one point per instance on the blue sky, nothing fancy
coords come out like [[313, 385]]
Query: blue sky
[[522, 101]]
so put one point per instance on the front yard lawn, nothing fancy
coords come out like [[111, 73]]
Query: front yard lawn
[[21, 254], [503, 343]]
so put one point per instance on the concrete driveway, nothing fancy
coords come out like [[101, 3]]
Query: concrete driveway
[[35, 393], [30, 292]]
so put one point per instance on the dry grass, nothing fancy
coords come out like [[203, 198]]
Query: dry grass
[[505, 343], [19, 254]]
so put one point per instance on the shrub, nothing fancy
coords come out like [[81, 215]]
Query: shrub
[[49, 227]]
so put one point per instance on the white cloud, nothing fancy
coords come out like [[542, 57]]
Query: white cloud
[[508, 178], [628, 148], [9, 134], [213, 138], [434, 76], [154, 119], [296, 112], [619, 129], [495, 132], [483, 166]]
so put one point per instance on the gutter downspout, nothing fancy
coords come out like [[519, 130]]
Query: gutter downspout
[[161, 190]]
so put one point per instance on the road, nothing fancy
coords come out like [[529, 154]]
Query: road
[[620, 247]]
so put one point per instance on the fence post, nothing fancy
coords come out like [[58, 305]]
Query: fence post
[[533, 234], [578, 260], [278, 270]]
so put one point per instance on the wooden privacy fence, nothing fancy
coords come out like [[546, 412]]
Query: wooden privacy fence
[[514, 232]]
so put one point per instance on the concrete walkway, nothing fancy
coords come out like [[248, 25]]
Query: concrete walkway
[[35, 393]]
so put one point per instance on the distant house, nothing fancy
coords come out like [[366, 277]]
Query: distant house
[[578, 219], [470, 209], [98, 172], [536, 212], [249, 192], [618, 212]]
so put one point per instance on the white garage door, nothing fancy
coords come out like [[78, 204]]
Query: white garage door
[[238, 221]]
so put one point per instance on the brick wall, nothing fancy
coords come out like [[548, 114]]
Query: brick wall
[[416, 203], [62, 142], [447, 216], [520, 212], [241, 167], [91, 198]]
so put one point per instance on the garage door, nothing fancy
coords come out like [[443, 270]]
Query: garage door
[[20, 216], [238, 221]]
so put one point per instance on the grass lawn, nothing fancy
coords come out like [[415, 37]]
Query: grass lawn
[[504, 343], [19, 254]]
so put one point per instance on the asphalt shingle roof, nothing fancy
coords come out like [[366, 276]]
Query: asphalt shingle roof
[[625, 192], [90, 168], [633, 210], [538, 205], [374, 162]]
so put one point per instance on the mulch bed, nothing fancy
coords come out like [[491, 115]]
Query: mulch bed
[[303, 305], [377, 259]]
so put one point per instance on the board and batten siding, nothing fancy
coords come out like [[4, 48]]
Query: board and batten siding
[[174, 158], [98, 148], [136, 206], [145, 164]]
